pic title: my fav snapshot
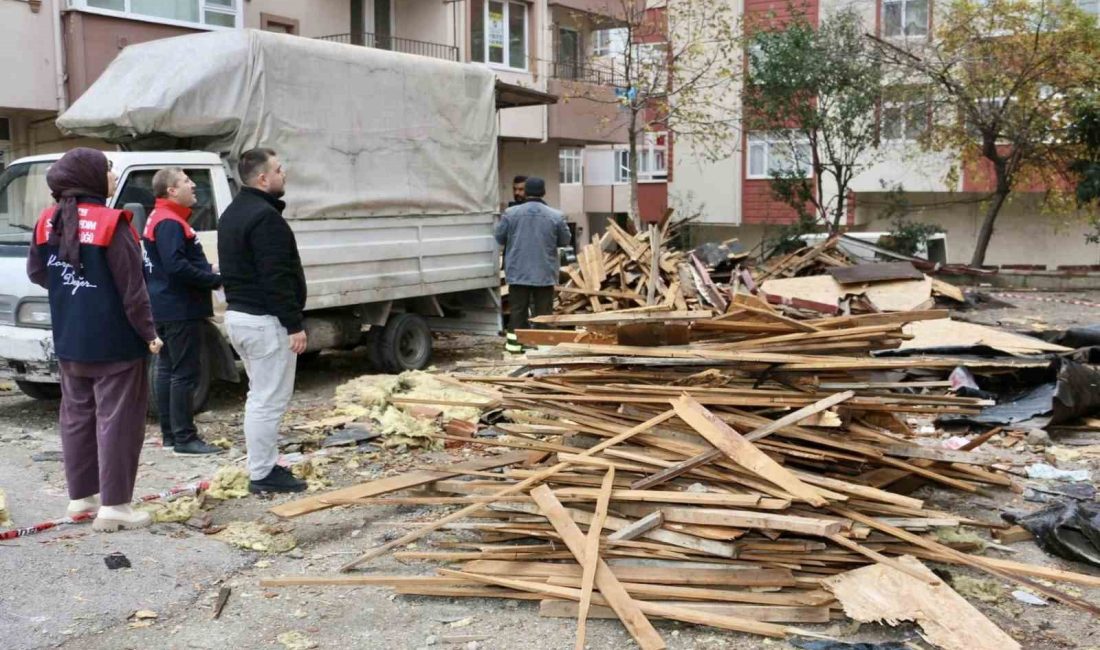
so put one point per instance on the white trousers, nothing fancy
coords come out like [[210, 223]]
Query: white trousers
[[264, 346]]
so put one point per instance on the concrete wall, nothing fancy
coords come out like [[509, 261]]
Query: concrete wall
[[425, 20], [28, 74], [315, 18], [529, 159], [1023, 234]]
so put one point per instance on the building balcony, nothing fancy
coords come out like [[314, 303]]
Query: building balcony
[[397, 44]]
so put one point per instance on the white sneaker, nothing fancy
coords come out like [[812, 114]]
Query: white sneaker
[[114, 518], [82, 506]]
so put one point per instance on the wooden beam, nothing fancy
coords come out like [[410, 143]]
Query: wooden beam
[[592, 555], [741, 451], [612, 590]]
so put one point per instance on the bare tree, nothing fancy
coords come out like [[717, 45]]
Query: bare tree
[[675, 71]]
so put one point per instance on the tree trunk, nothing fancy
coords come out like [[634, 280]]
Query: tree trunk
[[986, 232], [632, 161]]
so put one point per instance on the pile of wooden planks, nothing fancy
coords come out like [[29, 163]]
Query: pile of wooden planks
[[624, 271], [726, 480]]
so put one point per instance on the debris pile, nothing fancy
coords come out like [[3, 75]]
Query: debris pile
[[733, 470], [409, 409], [624, 271]]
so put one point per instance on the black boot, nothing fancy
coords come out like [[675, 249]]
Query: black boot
[[279, 480]]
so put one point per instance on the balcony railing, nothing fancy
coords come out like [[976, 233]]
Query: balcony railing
[[397, 44], [572, 71]]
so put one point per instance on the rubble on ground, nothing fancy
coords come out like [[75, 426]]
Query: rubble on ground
[[229, 482], [254, 536], [742, 459]]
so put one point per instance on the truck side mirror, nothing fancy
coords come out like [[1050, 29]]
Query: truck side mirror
[[138, 211]]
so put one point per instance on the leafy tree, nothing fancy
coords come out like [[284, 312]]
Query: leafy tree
[[1001, 75], [815, 90]]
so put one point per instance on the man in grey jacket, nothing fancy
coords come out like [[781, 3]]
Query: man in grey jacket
[[531, 234]]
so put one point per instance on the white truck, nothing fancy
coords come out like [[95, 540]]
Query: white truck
[[392, 185]]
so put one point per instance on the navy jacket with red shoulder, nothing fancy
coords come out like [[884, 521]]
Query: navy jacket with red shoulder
[[88, 317], [179, 277]]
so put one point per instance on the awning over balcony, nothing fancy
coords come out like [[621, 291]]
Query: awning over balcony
[[514, 96]]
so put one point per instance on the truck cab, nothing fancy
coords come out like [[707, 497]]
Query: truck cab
[[26, 342]]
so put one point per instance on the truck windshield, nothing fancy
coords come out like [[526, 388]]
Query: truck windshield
[[23, 196]]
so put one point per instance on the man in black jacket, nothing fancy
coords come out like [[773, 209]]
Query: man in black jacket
[[265, 288], [180, 281]]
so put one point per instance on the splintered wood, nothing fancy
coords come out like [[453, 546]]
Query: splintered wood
[[732, 480], [622, 271]]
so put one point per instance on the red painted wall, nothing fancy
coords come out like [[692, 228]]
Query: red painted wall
[[652, 200], [757, 203]]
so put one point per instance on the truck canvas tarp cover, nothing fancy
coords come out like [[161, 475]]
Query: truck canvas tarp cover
[[391, 158], [361, 131]]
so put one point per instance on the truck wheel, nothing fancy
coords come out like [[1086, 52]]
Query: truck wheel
[[405, 343], [38, 390], [202, 388]]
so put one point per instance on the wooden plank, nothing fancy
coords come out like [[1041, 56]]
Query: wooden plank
[[733, 623], [876, 272], [748, 519], [592, 554], [733, 576], [741, 451], [643, 525], [314, 503], [612, 590], [513, 489], [760, 432], [880, 593], [764, 613], [551, 337], [622, 316], [649, 591]]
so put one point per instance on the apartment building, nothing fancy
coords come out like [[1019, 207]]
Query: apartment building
[[53, 50], [735, 197]]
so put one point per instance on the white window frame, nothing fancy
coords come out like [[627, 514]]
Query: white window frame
[[648, 155], [904, 112], [571, 166], [768, 141], [237, 12], [603, 44], [507, 64], [904, 13], [653, 158]]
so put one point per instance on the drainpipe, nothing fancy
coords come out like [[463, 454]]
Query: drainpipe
[[59, 58]]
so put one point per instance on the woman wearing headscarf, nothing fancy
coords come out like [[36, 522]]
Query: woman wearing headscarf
[[88, 257]]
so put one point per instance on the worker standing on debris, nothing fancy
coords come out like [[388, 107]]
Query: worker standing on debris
[[265, 288], [531, 234], [89, 259], [519, 191], [180, 281]]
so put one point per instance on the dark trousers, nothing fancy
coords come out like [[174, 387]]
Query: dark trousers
[[526, 301], [177, 376], [102, 429]]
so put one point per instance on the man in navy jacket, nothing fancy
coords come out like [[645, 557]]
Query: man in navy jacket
[[180, 281]]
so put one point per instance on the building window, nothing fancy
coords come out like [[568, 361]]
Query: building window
[[189, 13], [905, 17], [652, 159], [904, 120], [570, 167], [498, 33], [278, 24], [622, 166], [609, 42], [772, 155], [569, 54]]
